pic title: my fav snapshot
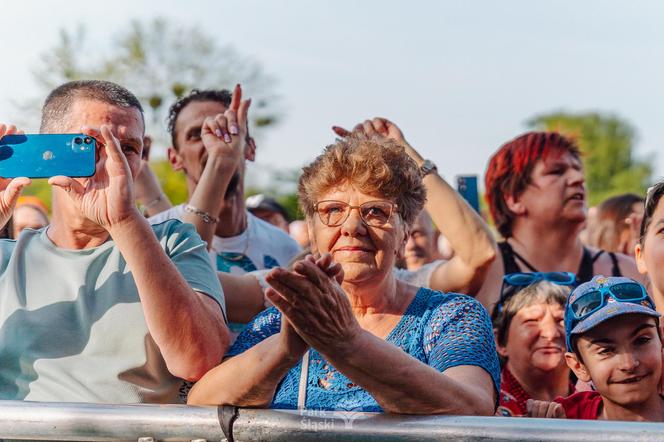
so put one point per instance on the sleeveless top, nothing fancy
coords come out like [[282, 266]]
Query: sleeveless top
[[584, 274]]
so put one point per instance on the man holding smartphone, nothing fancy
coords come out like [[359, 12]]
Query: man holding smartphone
[[100, 306]]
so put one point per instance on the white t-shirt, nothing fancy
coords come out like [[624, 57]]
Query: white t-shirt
[[260, 246]]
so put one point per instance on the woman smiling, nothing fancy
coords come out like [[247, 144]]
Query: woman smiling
[[369, 342]]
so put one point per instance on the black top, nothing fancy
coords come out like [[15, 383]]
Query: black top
[[584, 274]]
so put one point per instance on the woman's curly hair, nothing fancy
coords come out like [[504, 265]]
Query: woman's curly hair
[[374, 166]]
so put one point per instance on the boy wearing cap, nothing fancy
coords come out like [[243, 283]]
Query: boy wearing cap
[[613, 340]]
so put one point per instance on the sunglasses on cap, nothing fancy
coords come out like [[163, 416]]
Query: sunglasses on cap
[[513, 282], [594, 300]]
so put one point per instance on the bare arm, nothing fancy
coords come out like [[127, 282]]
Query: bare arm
[[190, 348], [149, 193], [224, 139], [468, 234], [249, 379], [402, 384]]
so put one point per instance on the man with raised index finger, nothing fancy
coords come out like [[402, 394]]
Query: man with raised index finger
[[100, 306]]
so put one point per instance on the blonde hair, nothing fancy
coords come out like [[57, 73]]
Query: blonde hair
[[374, 166]]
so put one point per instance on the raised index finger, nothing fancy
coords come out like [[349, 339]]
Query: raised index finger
[[237, 98]]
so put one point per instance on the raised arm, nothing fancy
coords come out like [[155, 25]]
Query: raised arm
[[224, 138], [189, 347], [470, 237]]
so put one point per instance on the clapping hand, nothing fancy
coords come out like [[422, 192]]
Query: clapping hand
[[314, 303]]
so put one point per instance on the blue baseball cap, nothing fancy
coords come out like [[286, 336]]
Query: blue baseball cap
[[609, 307]]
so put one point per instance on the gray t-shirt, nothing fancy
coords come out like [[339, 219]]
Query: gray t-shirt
[[72, 327]]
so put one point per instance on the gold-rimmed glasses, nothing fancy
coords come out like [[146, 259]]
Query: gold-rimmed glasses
[[334, 213]]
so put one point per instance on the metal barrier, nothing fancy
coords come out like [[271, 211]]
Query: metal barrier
[[147, 423]]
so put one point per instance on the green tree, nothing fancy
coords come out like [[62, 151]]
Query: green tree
[[607, 145], [159, 61]]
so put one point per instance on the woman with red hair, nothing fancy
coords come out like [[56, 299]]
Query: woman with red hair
[[535, 188]]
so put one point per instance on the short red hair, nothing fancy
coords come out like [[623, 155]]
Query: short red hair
[[509, 170]]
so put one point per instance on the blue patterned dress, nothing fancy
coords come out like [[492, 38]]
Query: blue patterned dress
[[441, 330]]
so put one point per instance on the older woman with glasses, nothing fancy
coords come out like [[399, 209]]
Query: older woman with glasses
[[345, 333], [530, 338]]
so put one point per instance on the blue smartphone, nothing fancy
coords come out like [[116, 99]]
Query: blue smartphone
[[47, 155], [467, 187]]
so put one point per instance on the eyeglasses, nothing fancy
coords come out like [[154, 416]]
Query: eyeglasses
[[594, 300], [373, 213], [513, 282]]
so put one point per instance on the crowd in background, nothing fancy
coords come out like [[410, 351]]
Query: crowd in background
[[393, 294]]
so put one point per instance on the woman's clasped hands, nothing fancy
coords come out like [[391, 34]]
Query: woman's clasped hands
[[315, 310]]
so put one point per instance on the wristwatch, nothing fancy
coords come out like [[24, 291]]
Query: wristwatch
[[427, 167]]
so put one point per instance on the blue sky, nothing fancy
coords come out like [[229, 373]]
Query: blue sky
[[460, 78]]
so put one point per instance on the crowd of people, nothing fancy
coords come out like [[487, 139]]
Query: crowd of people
[[391, 295]]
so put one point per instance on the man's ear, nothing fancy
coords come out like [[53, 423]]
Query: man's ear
[[640, 259], [577, 367], [515, 205], [502, 351], [175, 159], [250, 149]]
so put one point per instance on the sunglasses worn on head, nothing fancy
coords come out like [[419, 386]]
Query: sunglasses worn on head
[[373, 213], [513, 282]]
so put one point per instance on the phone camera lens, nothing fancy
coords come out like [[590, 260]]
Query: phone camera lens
[[78, 140], [87, 140]]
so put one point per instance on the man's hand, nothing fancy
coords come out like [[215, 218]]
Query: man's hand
[[10, 189], [107, 198], [225, 135]]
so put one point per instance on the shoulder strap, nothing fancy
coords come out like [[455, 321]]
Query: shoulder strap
[[615, 268], [304, 374], [509, 261], [586, 271]]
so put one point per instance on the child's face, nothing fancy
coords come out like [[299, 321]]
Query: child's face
[[623, 358]]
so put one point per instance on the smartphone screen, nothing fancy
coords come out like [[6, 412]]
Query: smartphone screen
[[47, 155], [467, 187]]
